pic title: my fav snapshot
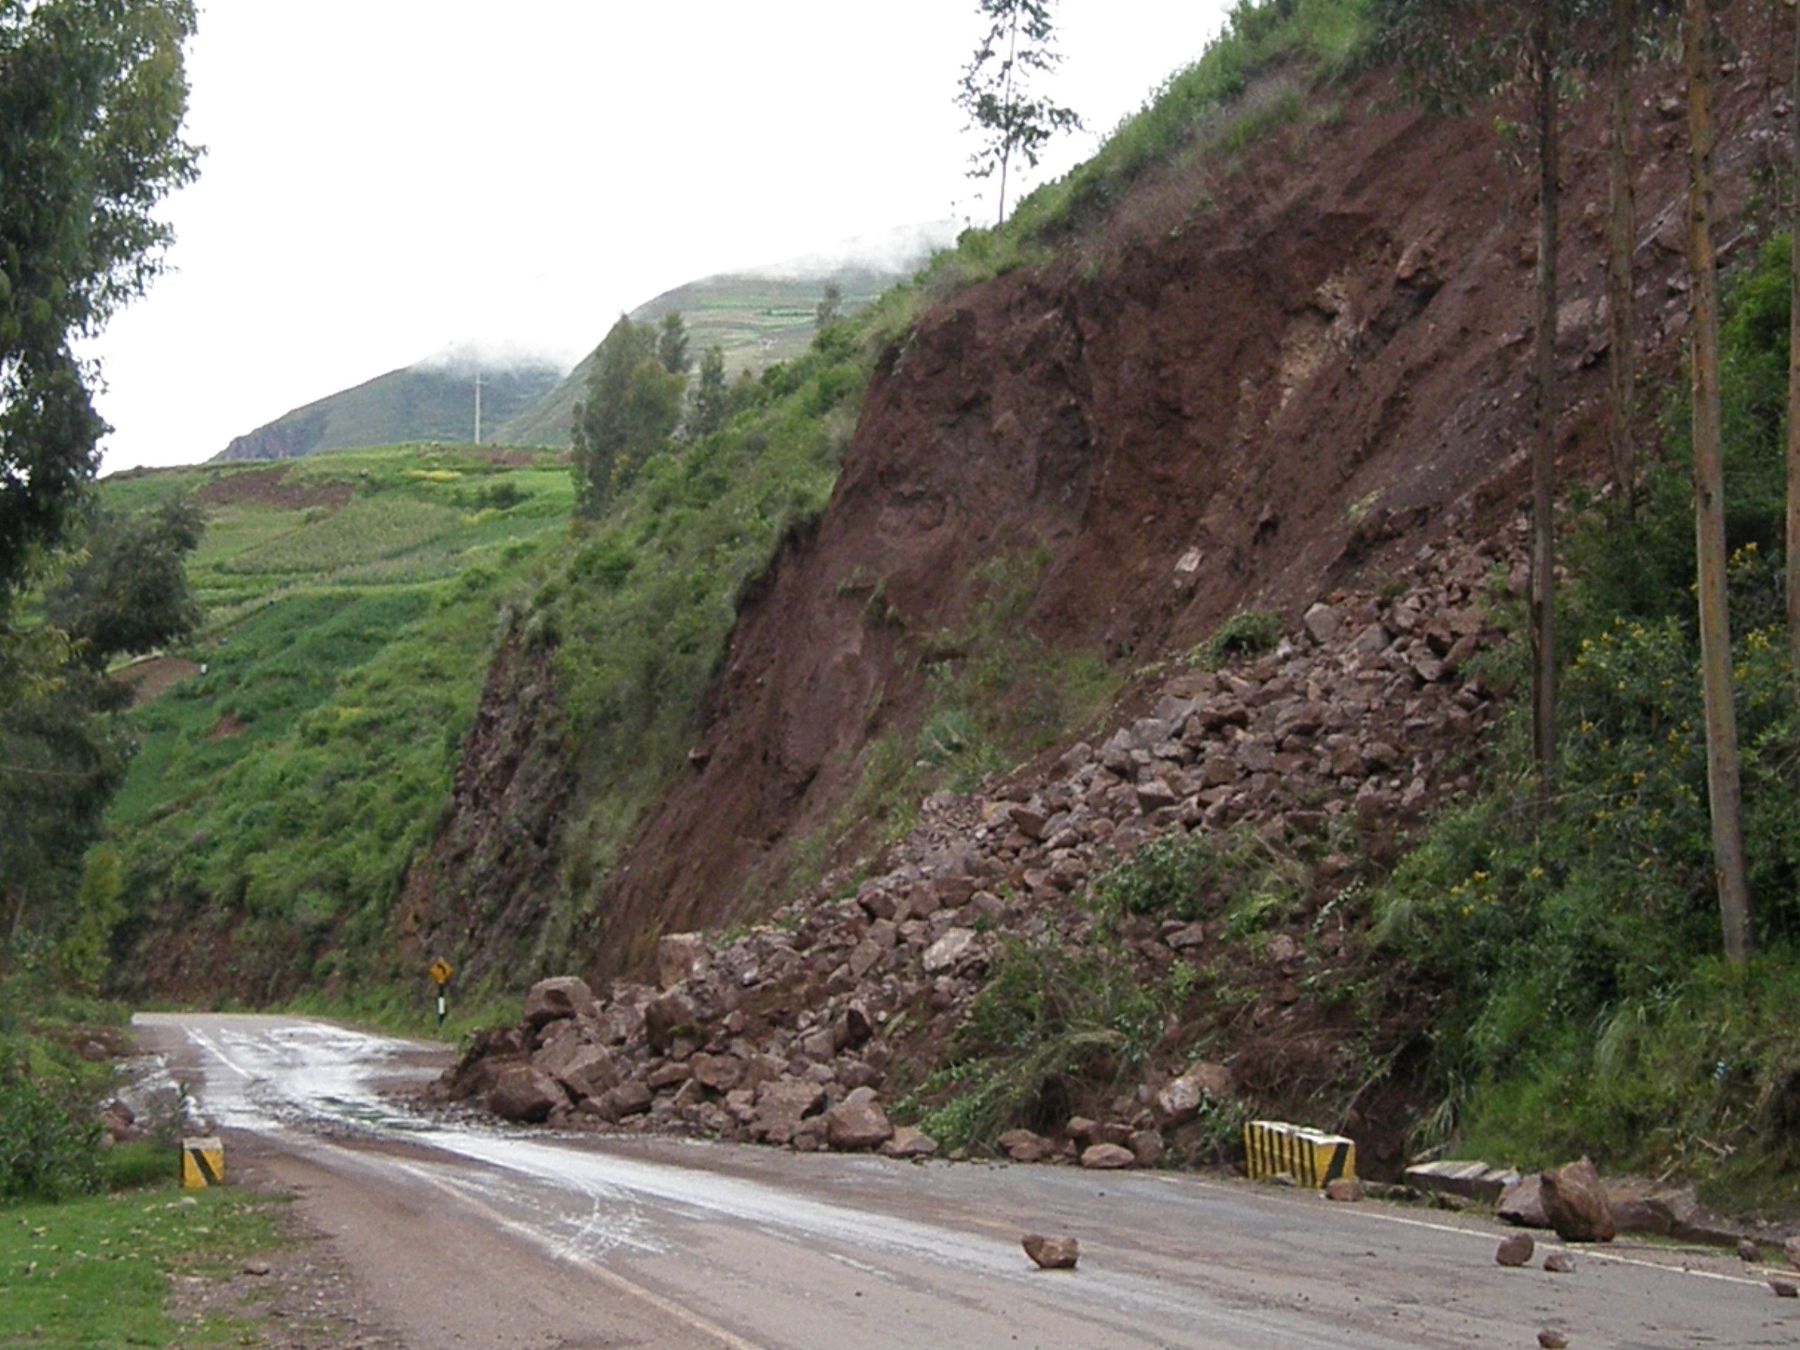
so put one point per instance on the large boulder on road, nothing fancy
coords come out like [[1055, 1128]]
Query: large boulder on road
[[553, 999], [1576, 1205], [525, 1094], [781, 1106], [857, 1123]]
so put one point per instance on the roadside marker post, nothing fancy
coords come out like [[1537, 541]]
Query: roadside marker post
[[202, 1163], [1310, 1157], [440, 972]]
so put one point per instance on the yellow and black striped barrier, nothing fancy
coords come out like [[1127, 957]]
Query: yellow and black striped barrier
[[202, 1164], [1310, 1157]]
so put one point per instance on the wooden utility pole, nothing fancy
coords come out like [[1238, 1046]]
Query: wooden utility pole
[[1621, 237], [1722, 767], [1543, 452]]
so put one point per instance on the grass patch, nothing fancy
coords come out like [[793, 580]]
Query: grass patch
[[96, 1271], [1242, 635], [1054, 1029]]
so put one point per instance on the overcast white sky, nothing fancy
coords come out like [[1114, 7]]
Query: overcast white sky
[[384, 178]]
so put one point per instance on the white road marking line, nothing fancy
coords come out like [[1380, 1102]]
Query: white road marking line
[[688, 1318]]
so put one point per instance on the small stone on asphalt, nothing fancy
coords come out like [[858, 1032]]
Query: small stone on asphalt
[[1515, 1250], [1552, 1340], [1052, 1253], [1559, 1263], [1784, 1289]]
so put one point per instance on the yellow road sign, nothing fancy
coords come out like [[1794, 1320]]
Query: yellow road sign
[[441, 971]]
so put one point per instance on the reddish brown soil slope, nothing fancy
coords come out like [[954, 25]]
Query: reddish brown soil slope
[[1287, 371], [1257, 382]]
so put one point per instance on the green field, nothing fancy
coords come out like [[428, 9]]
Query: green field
[[350, 602]]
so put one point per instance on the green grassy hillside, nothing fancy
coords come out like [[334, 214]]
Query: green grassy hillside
[[350, 601], [418, 403], [759, 321]]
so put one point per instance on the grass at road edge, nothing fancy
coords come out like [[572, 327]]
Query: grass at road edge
[[98, 1271]]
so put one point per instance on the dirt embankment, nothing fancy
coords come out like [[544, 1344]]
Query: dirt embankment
[[1256, 384]]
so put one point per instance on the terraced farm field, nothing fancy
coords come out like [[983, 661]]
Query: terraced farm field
[[350, 604]]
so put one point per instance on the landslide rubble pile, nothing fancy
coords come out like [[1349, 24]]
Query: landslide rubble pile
[[1348, 730]]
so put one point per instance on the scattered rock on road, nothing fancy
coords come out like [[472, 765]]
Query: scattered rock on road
[[525, 1094], [909, 1142], [1552, 1340], [1784, 1288], [1107, 1156], [1515, 1250], [1559, 1263], [1522, 1203], [1024, 1146], [1052, 1253], [1347, 1189], [1575, 1203], [858, 1123]]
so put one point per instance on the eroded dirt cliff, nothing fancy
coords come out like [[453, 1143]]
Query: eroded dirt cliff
[[1261, 380]]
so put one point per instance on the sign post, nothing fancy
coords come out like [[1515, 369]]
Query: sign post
[[440, 973]]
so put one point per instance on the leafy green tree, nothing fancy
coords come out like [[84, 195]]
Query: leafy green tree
[[129, 592], [672, 345], [62, 753], [712, 398], [995, 89], [92, 96], [831, 306], [632, 407]]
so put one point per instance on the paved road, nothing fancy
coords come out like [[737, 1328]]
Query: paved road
[[491, 1237]]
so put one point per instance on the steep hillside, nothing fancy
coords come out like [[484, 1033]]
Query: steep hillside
[[295, 753], [422, 403], [758, 320], [1261, 378], [1265, 413]]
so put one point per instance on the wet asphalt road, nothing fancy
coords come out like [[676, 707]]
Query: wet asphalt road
[[467, 1235]]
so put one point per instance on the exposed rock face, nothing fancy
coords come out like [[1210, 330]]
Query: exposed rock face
[[1575, 1203]]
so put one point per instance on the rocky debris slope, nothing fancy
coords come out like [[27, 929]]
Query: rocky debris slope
[[1348, 730]]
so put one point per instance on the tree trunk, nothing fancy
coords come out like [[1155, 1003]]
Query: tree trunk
[[1009, 130], [1722, 771], [1621, 238], [1793, 427], [1543, 453]]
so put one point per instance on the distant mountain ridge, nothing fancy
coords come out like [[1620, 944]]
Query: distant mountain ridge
[[424, 402], [757, 319]]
